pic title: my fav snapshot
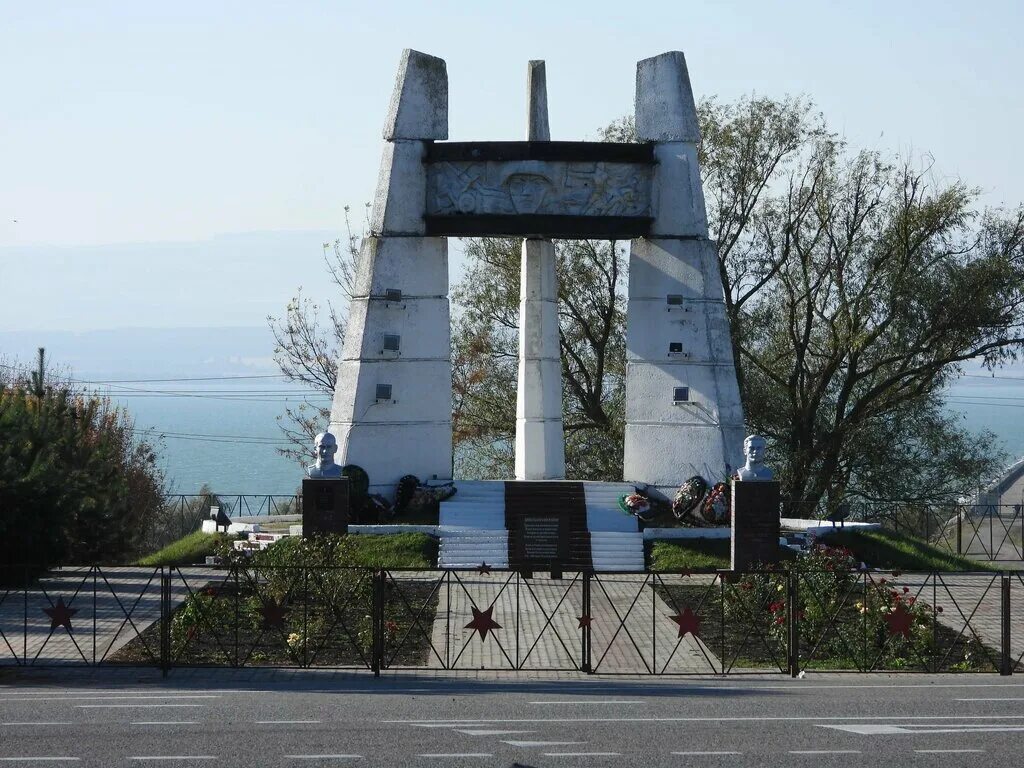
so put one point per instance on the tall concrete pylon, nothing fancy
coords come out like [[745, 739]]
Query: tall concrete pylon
[[540, 439], [683, 411], [393, 399]]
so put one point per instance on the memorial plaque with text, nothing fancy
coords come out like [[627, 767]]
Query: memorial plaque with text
[[755, 523], [325, 506], [543, 539]]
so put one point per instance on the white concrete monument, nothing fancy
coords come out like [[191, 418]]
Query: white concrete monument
[[392, 404], [683, 410], [540, 441], [393, 400]]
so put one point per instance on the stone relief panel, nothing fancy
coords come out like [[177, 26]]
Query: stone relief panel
[[538, 187]]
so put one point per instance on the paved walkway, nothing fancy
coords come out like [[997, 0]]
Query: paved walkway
[[109, 608], [631, 631]]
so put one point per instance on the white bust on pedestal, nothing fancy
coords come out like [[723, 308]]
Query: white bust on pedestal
[[326, 445], [754, 448]]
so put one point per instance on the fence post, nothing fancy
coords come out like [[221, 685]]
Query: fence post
[[377, 620], [959, 530], [165, 619], [1006, 668], [585, 635], [792, 591]]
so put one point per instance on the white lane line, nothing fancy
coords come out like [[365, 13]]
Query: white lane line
[[166, 722], [37, 759], [824, 751], [323, 757], [737, 719], [543, 743], [129, 707], [174, 757], [36, 723], [104, 698], [493, 733], [881, 729], [706, 754], [946, 751], [582, 754], [588, 702], [460, 754], [1020, 699], [287, 722]]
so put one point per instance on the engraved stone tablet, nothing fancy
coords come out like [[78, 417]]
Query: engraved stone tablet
[[325, 506], [755, 523], [543, 539]]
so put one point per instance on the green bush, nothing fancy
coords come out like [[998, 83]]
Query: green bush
[[75, 485]]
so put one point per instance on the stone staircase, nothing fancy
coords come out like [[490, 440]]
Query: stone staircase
[[473, 528]]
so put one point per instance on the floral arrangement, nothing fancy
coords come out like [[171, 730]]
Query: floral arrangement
[[636, 504], [715, 509], [689, 497]]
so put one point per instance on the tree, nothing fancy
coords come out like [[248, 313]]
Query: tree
[[75, 484], [306, 351]]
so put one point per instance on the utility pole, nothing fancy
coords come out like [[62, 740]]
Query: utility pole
[[39, 375]]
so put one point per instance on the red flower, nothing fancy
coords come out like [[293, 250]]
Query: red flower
[[906, 590], [780, 620]]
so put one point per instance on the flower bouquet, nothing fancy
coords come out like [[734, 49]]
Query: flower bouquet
[[689, 497], [636, 504]]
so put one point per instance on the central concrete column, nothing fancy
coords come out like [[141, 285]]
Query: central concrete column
[[540, 439]]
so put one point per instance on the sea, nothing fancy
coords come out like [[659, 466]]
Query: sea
[[211, 400]]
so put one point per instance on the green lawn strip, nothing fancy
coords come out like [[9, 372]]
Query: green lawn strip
[[187, 550], [395, 550], [666, 555], [887, 549]]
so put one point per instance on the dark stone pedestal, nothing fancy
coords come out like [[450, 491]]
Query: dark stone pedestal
[[755, 523], [325, 506]]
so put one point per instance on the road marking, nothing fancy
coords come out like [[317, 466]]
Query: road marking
[[103, 698], [824, 751], [174, 757], [543, 743], [166, 722], [322, 757], [588, 702], [36, 759], [988, 699], [460, 754], [36, 723], [582, 754], [879, 729], [756, 719], [707, 753], [493, 733], [945, 751], [129, 707], [287, 722]]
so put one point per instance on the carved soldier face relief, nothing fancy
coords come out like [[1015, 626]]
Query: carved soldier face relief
[[527, 191]]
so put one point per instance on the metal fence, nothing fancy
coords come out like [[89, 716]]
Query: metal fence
[[718, 623], [979, 531]]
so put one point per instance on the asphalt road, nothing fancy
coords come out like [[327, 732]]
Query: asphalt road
[[233, 720]]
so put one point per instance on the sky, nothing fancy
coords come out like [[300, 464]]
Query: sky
[[181, 164]]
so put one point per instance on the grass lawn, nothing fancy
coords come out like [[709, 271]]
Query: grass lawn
[[689, 555], [886, 549], [187, 550], [398, 550]]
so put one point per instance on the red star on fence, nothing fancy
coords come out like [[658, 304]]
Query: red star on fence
[[273, 614], [585, 621], [483, 569], [482, 622], [899, 620], [688, 621], [60, 615]]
